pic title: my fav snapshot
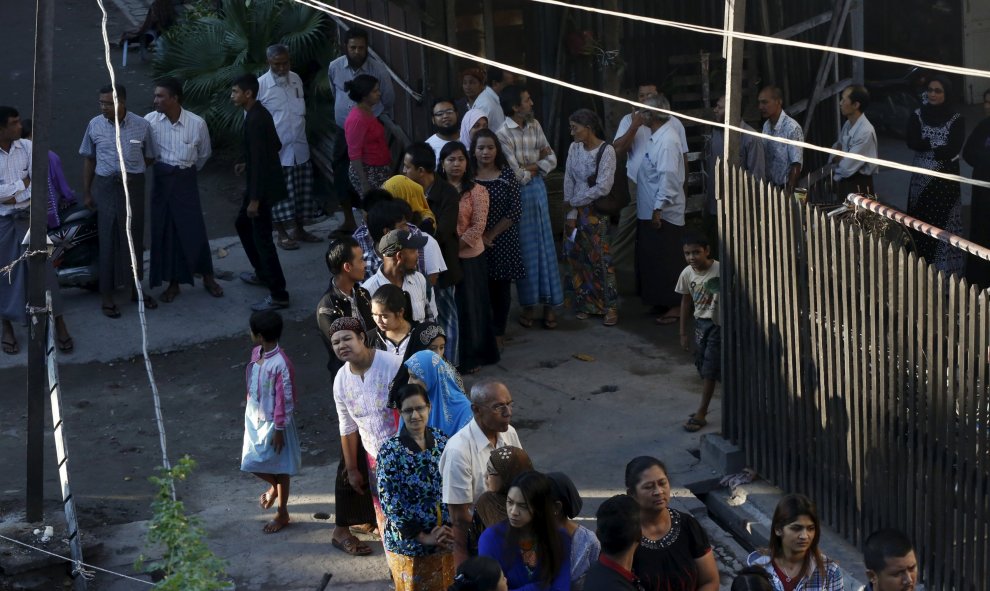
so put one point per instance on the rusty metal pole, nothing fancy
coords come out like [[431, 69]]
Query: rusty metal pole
[[37, 321]]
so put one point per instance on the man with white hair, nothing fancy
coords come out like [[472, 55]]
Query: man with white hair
[[660, 212], [281, 92], [465, 459]]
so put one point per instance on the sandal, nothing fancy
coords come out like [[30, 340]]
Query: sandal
[[287, 244], [582, 316], [352, 546], [66, 345], [525, 321], [149, 302], [11, 348], [611, 317], [304, 236], [213, 289], [667, 320], [693, 425], [550, 322], [169, 295], [111, 311]]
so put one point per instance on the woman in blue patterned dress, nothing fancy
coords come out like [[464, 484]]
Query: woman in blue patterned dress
[[936, 132], [418, 539], [501, 237]]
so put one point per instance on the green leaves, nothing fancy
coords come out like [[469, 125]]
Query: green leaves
[[208, 51], [187, 564]]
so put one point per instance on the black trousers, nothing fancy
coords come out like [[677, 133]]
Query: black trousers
[[500, 292], [346, 194], [256, 238]]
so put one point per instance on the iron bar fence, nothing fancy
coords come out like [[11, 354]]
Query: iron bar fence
[[857, 374]]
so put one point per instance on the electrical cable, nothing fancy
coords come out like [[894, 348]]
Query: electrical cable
[[323, 7], [77, 566]]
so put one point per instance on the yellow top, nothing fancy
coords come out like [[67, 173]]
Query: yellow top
[[412, 193]]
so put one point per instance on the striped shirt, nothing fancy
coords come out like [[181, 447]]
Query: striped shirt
[[285, 100], [15, 165], [184, 143], [341, 73], [522, 147], [100, 143]]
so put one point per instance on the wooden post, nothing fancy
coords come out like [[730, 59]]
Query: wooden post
[[735, 20], [857, 38], [37, 379]]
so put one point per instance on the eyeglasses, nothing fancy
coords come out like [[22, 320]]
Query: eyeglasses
[[416, 410], [935, 90], [444, 112], [501, 407]]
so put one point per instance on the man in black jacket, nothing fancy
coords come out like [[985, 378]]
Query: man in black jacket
[[265, 187]]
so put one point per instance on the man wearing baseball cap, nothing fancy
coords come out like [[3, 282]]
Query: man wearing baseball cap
[[400, 255]]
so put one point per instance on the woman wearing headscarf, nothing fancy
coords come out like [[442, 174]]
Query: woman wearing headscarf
[[472, 121], [585, 547], [977, 154], [504, 464], [450, 407], [936, 132]]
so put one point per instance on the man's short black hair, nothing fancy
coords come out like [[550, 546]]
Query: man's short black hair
[[422, 156], [121, 90], [648, 82], [247, 82], [495, 74], [375, 196], [884, 544], [172, 85], [775, 92], [441, 100], [6, 114], [618, 524], [340, 252], [511, 96], [384, 215], [267, 324], [859, 94], [354, 33]]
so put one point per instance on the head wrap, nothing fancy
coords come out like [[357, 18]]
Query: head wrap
[[565, 492], [450, 407], [470, 118], [345, 323], [509, 462], [473, 72], [938, 115]]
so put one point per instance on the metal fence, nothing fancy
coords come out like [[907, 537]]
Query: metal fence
[[857, 374]]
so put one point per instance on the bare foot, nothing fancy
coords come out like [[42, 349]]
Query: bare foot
[[268, 498], [281, 520]]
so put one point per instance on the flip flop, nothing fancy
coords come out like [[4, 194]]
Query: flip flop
[[214, 290], [306, 237], [525, 321], [352, 546], [168, 296], [693, 425], [668, 320], [11, 348], [149, 302], [287, 244], [66, 345], [549, 323], [111, 311], [267, 499]]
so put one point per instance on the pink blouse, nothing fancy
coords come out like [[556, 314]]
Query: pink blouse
[[472, 215]]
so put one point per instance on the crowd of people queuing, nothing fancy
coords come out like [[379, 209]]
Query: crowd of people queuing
[[420, 294]]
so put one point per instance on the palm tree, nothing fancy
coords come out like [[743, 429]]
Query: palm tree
[[210, 51]]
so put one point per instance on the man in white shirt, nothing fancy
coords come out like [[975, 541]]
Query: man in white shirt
[[15, 202], [488, 101], [400, 260], [631, 139], [280, 90], [857, 136], [446, 123], [464, 460], [180, 247]]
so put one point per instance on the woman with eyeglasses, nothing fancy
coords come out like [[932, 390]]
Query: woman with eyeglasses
[[418, 539], [936, 132], [450, 406], [532, 549]]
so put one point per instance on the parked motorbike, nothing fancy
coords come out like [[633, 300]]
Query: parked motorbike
[[75, 254]]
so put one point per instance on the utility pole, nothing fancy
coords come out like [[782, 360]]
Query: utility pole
[[38, 318], [735, 21]]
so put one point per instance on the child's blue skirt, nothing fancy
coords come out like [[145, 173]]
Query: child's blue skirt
[[259, 456]]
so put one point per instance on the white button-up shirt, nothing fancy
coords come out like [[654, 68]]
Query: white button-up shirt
[[857, 139], [660, 180], [424, 306], [184, 143], [285, 100], [465, 460], [15, 165], [638, 148], [489, 102]]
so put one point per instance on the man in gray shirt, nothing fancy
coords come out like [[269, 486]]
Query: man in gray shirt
[[103, 189], [345, 68]]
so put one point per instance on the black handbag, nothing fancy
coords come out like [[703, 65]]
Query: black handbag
[[617, 198]]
